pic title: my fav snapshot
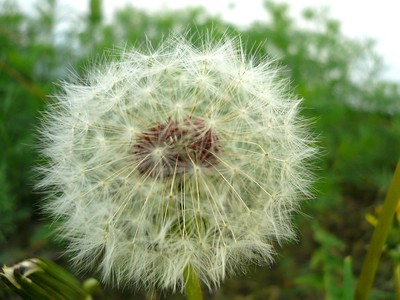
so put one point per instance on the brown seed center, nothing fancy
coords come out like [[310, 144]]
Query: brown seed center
[[174, 148]]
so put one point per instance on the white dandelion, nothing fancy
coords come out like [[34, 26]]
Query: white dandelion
[[175, 157]]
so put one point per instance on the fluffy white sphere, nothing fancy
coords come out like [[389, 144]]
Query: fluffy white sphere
[[174, 157]]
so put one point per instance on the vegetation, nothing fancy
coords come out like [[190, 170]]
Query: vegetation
[[355, 113]]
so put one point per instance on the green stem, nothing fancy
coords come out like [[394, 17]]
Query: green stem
[[397, 280], [379, 236], [192, 286]]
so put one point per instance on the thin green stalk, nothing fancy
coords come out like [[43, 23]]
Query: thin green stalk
[[24, 81], [348, 280], [379, 236], [397, 280], [192, 287]]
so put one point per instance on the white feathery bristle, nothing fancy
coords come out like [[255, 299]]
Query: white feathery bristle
[[173, 157]]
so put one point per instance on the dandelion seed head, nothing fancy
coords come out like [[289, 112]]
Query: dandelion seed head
[[172, 157]]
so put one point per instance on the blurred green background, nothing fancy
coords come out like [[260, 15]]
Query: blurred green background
[[355, 113]]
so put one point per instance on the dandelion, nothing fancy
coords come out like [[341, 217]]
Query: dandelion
[[172, 158]]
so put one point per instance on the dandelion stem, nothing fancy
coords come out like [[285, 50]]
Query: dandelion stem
[[379, 236], [192, 288]]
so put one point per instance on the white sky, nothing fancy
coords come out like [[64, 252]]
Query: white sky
[[379, 20]]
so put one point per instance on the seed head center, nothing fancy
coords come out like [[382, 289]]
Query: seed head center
[[174, 148]]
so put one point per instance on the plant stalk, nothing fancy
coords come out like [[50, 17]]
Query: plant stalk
[[397, 280], [379, 236], [192, 286]]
